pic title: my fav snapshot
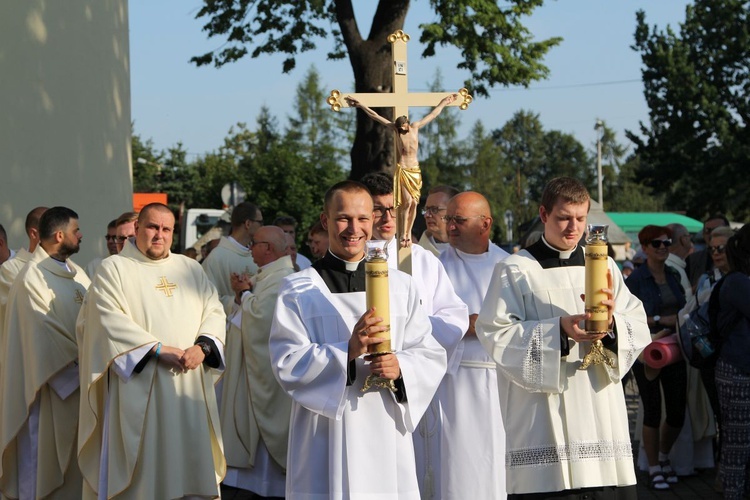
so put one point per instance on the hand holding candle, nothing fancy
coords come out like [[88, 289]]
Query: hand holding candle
[[383, 364], [597, 298]]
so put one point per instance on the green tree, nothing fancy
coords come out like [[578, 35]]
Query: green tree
[[146, 162], [282, 173], [441, 154], [486, 174], [622, 190], [521, 141], [497, 49], [695, 148]]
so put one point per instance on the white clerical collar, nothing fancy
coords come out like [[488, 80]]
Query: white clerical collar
[[237, 243], [349, 265], [564, 254], [438, 245], [63, 264]]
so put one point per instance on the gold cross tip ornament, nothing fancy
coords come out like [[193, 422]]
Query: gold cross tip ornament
[[165, 286], [398, 35]]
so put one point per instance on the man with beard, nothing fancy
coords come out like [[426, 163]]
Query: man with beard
[[150, 333], [408, 179], [39, 376], [343, 442]]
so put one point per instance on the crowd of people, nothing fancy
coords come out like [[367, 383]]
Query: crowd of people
[[239, 369]]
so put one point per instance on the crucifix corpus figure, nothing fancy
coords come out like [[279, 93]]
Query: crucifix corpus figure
[[408, 178]]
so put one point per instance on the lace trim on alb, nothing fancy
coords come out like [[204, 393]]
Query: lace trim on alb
[[574, 452], [532, 363], [630, 356]]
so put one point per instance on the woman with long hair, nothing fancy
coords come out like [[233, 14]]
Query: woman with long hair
[[733, 365]]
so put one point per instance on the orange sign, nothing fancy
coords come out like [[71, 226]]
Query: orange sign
[[140, 200]]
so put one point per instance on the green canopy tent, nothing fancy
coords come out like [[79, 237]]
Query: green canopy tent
[[633, 222]]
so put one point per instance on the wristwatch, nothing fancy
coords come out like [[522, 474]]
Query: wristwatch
[[657, 318], [204, 347]]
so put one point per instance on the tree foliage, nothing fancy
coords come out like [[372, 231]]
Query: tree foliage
[[496, 48], [695, 148]]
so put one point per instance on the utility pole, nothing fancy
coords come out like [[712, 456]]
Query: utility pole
[[599, 128]]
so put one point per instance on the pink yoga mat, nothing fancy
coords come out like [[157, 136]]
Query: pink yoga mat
[[662, 352]]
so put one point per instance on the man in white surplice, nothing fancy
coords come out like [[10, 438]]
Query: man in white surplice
[[39, 377], [254, 409], [448, 315], [566, 428], [233, 253], [473, 436], [150, 333], [343, 442]]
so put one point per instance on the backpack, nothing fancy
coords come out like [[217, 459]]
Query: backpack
[[699, 335]]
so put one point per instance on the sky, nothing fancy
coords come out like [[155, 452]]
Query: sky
[[594, 74]]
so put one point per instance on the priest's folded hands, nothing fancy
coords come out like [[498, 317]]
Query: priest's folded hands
[[192, 357], [170, 356]]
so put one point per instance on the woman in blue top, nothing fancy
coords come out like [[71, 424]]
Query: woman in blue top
[[658, 287], [733, 366]]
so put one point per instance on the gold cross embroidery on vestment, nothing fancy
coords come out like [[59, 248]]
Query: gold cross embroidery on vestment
[[165, 286]]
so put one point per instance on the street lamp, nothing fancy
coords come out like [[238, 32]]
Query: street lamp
[[599, 128], [144, 161]]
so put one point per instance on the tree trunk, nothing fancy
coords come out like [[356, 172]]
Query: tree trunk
[[373, 149]]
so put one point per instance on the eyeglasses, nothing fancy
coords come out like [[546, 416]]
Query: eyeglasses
[[379, 212], [110, 237], [433, 211], [253, 243], [121, 238], [458, 220], [720, 249], [657, 243]]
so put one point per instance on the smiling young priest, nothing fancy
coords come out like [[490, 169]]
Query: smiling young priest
[[345, 443]]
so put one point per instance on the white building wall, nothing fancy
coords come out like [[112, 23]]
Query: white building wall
[[65, 114]]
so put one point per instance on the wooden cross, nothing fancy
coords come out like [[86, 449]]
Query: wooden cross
[[400, 99], [165, 286]]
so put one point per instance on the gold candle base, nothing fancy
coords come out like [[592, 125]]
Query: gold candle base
[[597, 356], [378, 382]]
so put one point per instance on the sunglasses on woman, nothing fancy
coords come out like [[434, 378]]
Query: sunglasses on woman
[[720, 249], [658, 243]]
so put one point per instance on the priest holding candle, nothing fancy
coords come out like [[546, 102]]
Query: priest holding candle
[[346, 443], [566, 428]]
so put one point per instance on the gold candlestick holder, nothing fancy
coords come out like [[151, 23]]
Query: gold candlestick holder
[[376, 292], [596, 278]]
